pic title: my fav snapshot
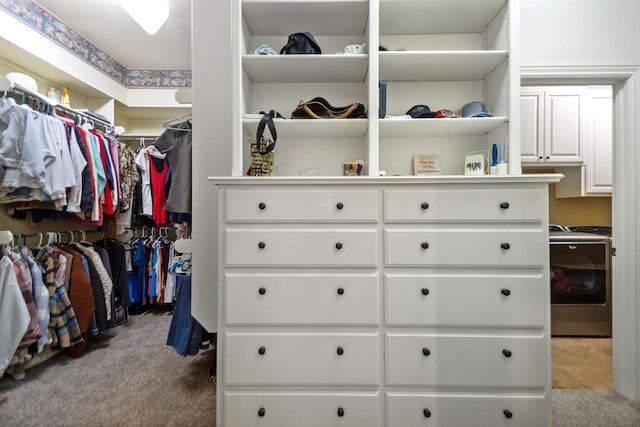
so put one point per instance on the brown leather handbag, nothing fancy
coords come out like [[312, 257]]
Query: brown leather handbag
[[319, 108]]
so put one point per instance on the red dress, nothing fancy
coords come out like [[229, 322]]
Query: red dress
[[159, 169]]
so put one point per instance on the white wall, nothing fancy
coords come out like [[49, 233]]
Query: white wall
[[211, 150], [600, 40], [580, 32]]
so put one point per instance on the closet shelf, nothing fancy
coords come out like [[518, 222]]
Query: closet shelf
[[319, 17], [474, 126], [305, 68], [300, 128], [449, 65], [436, 16]]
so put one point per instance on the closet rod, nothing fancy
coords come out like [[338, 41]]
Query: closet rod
[[152, 230], [137, 138], [6, 85], [108, 127], [70, 233]]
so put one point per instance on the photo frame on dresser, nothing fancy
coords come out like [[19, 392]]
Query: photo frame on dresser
[[426, 164]]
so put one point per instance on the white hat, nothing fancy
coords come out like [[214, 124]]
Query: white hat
[[265, 49], [23, 80]]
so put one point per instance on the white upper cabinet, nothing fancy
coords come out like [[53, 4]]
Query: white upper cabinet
[[595, 176], [440, 54], [554, 125], [599, 168]]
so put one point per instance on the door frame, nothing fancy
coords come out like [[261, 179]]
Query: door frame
[[625, 206]]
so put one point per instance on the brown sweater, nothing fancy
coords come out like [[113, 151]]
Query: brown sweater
[[82, 300]]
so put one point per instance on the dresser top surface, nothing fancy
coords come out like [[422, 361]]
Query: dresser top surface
[[386, 180]]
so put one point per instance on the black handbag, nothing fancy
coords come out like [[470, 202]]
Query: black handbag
[[262, 155], [301, 44], [319, 108]]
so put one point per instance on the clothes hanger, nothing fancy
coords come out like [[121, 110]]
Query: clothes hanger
[[51, 238], [170, 124]]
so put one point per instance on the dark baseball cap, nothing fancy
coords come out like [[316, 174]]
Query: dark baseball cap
[[421, 111]]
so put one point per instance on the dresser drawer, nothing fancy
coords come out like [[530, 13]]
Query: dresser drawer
[[466, 360], [301, 247], [301, 359], [439, 300], [472, 247], [420, 410], [476, 205], [301, 205], [301, 409], [262, 299]]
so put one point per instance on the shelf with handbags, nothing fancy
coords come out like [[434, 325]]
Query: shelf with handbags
[[440, 55], [286, 70]]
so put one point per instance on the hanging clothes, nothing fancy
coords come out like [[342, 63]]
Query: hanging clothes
[[20, 149], [14, 314], [146, 199], [82, 300], [115, 252], [185, 333], [63, 326], [40, 296], [176, 144], [101, 283], [23, 276], [50, 167], [129, 175], [159, 172]]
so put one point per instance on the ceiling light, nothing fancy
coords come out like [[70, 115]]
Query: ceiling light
[[149, 14]]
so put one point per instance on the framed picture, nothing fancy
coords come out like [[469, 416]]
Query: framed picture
[[426, 164], [475, 164]]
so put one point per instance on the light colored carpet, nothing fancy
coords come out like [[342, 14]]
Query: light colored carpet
[[130, 377], [593, 408]]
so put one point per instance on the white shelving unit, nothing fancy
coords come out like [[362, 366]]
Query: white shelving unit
[[441, 54], [380, 301]]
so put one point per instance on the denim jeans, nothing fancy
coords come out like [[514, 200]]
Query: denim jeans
[[185, 333]]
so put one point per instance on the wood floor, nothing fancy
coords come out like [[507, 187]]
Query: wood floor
[[581, 363]]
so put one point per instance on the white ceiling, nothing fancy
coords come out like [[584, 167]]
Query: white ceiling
[[109, 28]]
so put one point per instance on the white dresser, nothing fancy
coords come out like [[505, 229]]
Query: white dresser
[[398, 301]]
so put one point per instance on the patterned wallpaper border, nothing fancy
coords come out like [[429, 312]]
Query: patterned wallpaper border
[[41, 20]]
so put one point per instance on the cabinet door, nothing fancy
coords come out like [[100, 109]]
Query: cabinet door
[[565, 125], [599, 171], [532, 124]]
